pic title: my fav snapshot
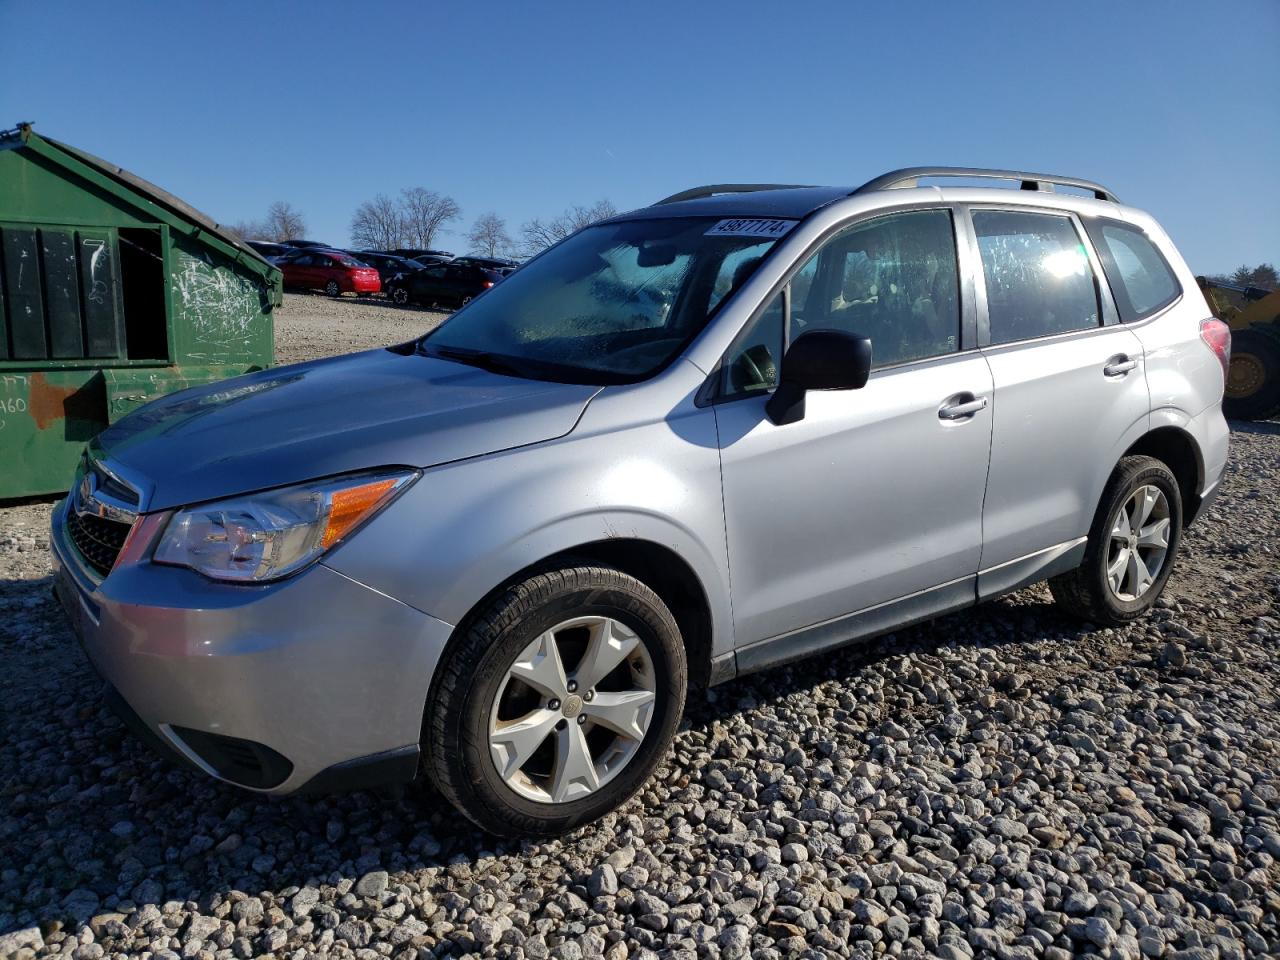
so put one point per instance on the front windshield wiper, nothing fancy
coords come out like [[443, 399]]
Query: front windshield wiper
[[493, 362]]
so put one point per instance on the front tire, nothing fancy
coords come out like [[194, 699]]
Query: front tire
[[400, 296], [332, 288], [1132, 546], [556, 701]]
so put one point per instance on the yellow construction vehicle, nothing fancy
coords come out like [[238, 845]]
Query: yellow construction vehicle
[[1253, 380]]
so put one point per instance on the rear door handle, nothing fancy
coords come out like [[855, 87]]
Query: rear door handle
[[960, 406], [1119, 365]]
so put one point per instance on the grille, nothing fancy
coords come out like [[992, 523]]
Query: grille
[[99, 540]]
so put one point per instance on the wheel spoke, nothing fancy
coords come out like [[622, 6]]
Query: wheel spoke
[[610, 644], [1139, 577], [1115, 572], [1145, 499], [626, 713], [1155, 534], [1120, 528], [514, 742], [539, 666], [575, 772]]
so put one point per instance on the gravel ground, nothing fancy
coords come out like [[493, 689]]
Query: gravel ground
[[313, 325], [1001, 782]]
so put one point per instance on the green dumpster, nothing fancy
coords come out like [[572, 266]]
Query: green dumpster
[[112, 293]]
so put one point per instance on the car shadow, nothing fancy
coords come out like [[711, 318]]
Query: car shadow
[[126, 824]]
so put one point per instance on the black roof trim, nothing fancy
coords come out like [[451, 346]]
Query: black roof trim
[[714, 189]]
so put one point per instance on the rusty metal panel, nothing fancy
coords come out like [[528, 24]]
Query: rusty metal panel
[[46, 417], [62, 292], [22, 294]]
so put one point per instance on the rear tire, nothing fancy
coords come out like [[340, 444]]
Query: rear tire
[[332, 288], [1253, 379], [400, 296], [483, 692], [1090, 592]]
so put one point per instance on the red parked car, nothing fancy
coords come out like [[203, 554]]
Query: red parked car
[[332, 271]]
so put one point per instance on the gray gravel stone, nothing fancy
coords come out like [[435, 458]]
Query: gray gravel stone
[[1003, 782]]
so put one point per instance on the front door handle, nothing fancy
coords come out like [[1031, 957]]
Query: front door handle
[[1119, 365], [961, 406]]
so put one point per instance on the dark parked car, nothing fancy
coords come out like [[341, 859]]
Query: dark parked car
[[501, 264], [308, 244], [445, 283], [268, 249], [413, 253], [388, 265], [332, 271]]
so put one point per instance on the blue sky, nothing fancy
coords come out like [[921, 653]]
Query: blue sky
[[525, 109]]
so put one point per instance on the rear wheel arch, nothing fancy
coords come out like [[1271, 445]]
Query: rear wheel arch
[[1178, 451]]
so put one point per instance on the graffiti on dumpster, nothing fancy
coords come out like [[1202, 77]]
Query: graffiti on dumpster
[[221, 306]]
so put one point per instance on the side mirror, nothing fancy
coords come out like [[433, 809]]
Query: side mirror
[[820, 360]]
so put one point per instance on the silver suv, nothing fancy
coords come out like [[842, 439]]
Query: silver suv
[[738, 427]]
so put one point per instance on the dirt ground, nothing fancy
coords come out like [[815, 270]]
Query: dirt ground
[[313, 325]]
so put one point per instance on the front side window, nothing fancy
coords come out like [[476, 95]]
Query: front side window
[[1038, 277], [893, 279], [1139, 276], [614, 303]]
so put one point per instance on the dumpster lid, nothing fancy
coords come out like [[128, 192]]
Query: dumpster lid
[[23, 135]]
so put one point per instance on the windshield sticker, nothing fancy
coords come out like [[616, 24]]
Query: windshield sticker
[[751, 228]]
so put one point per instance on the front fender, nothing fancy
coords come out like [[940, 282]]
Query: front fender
[[466, 527]]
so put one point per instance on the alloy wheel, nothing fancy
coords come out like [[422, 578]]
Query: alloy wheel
[[573, 710], [1139, 543]]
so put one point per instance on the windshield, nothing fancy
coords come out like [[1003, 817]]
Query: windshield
[[614, 303]]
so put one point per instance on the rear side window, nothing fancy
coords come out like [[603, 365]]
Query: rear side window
[[1140, 277], [1038, 277]]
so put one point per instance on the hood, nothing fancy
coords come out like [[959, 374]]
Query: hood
[[331, 416]]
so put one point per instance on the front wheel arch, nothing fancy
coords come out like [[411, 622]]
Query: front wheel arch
[[658, 567]]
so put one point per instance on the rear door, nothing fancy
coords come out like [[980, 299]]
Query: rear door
[[428, 284], [1070, 390]]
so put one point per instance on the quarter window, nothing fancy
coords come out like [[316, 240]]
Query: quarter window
[[1038, 277], [1138, 274]]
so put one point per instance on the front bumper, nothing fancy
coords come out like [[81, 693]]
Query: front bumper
[[318, 669]]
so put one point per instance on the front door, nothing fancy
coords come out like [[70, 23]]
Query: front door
[[1070, 389], [874, 499]]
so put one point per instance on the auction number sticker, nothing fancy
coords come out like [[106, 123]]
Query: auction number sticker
[[751, 228]]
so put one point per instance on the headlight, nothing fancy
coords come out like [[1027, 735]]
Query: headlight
[[265, 536]]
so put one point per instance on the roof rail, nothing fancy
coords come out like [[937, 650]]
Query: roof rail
[[697, 193], [908, 177]]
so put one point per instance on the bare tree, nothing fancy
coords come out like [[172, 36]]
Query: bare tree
[[537, 234], [425, 213], [247, 229], [283, 223], [489, 235], [378, 224]]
